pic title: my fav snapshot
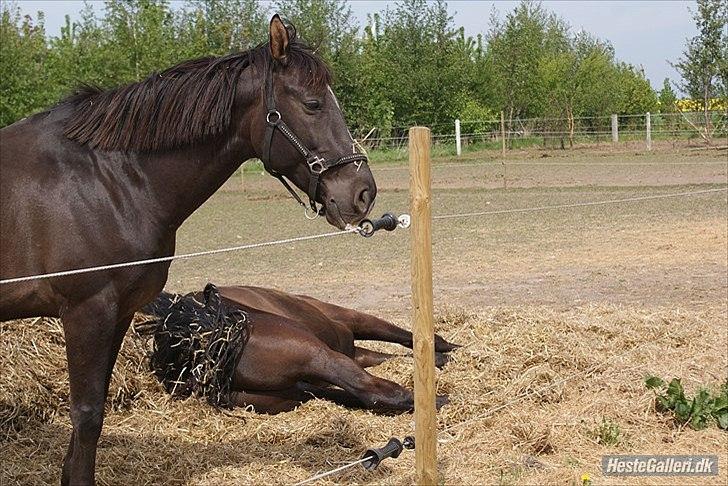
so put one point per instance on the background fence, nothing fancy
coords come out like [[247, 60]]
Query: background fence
[[565, 133]]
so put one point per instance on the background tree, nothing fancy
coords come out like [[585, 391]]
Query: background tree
[[415, 47], [141, 36], [23, 54], [516, 47], [703, 63], [667, 98], [81, 54], [410, 64], [636, 94], [368, 105], [216, 27]]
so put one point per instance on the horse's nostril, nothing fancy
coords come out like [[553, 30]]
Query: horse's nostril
[[363, 200]]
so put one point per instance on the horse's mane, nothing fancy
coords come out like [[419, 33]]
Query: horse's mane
[[176, 107]]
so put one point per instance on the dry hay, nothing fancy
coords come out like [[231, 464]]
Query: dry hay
[[34, 380], [528, 395]]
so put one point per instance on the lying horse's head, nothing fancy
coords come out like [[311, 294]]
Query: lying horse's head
[[305, 137]]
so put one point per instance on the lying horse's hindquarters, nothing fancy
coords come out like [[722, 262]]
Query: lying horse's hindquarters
[[300, 346]]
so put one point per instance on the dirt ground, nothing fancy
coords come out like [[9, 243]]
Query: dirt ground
[[562, 313]]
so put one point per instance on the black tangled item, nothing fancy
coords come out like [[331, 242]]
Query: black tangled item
[[196, 344]]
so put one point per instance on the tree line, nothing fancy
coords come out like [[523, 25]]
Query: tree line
[[410, 64]]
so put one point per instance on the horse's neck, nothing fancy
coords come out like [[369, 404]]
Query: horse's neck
[[179, 181], [184, 179]]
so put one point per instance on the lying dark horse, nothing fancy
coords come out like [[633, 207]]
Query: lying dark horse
[[297, 348], [108, 176]]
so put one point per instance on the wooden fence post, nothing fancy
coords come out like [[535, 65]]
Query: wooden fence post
[[648, 128], [615, 129], [458, 146], [505, 174], [503, 134], [423, 328]]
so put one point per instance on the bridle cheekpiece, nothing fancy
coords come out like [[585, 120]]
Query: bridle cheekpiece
[[316, 165]]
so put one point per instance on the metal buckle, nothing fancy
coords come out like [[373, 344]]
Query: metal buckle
[[316, 213], [316, 165], [277, 115]]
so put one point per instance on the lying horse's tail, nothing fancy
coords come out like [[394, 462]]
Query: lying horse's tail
[[198, 339]]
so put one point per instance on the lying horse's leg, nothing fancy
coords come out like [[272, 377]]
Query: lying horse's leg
[[93, 334], [374, 392], [366, 357], [336, 395], [368, 327], [365, 326], [270, 402]]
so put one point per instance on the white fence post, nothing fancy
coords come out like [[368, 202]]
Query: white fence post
[[648, 128], [458, 145], [615, 129], [503, 135]]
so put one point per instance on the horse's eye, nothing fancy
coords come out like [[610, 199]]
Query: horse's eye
[[313, 104]]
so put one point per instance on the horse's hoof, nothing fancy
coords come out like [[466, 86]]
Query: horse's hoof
[[441, 400], [442, 346], [441, 360]]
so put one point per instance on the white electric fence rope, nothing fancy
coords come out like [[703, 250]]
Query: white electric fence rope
[[339, 233], [581, 204], [176, 257], [333, 471]]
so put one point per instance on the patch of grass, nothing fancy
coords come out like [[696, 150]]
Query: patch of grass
[[399, 154], [607, 432], [572, 462], [510, 476], [697, 412], [253, 166]]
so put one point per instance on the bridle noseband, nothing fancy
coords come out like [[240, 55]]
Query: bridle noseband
[[316, 165]]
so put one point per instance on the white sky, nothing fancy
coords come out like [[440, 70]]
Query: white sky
[[643, 33]]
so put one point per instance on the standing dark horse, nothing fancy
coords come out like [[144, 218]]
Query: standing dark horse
[[109, 176]]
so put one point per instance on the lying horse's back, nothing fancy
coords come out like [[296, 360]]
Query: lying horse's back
[[290, 305], [300, 310]]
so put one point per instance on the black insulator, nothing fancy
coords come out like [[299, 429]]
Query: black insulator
[[388, 221], [375, 456]]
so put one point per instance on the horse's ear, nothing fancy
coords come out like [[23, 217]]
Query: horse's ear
[[279, 39], [291, 32]]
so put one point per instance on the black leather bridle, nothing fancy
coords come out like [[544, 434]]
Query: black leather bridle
[[316, 165]]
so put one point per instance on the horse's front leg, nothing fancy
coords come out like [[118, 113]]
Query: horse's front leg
[[369, 327], [94, 332], [367, 358]]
